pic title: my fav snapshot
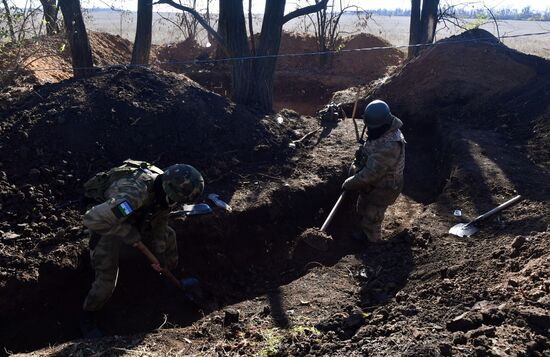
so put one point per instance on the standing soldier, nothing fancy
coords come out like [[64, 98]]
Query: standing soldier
[[378, 168], [136, 197]]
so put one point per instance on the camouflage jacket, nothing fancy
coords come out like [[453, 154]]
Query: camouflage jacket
[[130, 209], [383, 162]]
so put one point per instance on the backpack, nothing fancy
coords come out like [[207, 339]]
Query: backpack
[[95, 187]]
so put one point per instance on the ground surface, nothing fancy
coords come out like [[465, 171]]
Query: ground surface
[[474, 141]]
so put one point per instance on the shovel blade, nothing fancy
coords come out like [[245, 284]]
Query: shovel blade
[[463, 230]]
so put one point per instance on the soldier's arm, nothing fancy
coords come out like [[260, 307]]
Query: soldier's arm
[[159, 225], [111, 217], [378, 163]]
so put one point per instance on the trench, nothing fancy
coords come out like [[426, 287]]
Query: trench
[[236, 257]]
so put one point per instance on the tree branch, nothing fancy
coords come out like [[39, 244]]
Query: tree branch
[[198, 17], [305, 10]]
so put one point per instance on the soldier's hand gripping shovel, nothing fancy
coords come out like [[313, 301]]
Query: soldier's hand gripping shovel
[[468, 229], [189, 286]]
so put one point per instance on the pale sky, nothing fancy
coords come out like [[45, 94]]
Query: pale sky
[[258, 5]]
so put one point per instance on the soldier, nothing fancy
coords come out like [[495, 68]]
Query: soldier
[[377, 172], [137, 197]]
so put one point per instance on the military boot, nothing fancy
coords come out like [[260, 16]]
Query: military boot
[[88, 325]]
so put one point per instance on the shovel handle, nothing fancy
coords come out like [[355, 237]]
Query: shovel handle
[[501, 207], [333, 211], [153, 260]]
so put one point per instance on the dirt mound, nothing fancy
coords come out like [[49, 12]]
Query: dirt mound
[[178, 56], [48, 59], [68, 131], [367, 65], [470, 71], [301, 82]]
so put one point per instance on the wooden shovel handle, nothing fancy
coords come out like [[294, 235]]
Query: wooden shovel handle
[[153, 260]]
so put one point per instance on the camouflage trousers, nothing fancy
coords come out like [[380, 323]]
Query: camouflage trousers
[[371, 208], [105, 256]]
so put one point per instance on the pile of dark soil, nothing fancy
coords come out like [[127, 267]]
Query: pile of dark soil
[[437, 83], [61, 134], [423, 291]]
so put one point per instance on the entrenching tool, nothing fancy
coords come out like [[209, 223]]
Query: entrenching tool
[[318, 238], [357, 136], [333, 212], [468, 229], [192, 210], [189, 285]]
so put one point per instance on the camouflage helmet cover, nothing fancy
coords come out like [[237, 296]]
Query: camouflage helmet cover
[[377, 114], [182, 183]]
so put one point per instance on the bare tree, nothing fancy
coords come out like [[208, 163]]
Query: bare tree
[[251, 28], [77, 37], [423, 24], [252, 80], [142, 43], [50, 9], [326, 25], [9, 20]]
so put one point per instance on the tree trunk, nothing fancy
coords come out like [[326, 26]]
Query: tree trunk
[[222, 28], [142, 43], [251, 28], [264, 68], [415, 28], [429, 20], [81, 52], [423, 24], [50, 16], [236, 44], [9, 20]]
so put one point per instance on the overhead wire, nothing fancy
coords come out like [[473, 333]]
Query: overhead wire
[[447, 41]]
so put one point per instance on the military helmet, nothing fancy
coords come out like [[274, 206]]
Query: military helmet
[[182, 183], [377, 114]]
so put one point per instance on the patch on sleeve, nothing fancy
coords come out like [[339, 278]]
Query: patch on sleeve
[[122, 210]]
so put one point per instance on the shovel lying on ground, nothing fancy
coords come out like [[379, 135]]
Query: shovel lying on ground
[[468, 229], [318, 238]]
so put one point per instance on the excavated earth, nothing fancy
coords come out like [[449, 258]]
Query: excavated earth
[[303, 83], [477, 132]]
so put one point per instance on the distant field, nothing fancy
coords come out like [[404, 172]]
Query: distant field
[[393, 29]]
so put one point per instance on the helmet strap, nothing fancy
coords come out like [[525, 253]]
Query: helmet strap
[[376, 133]]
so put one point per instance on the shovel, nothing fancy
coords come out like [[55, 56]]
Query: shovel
[[468, 229], [192, 210], [317, 238], [333, 212]]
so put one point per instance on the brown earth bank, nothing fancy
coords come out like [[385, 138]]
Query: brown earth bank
[[47, 59], [422, 292], [302, 83]]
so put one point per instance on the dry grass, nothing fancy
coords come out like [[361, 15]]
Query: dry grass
[[393, 29]]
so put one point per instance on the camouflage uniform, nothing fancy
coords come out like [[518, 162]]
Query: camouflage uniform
[[379, 179], [148, 220]]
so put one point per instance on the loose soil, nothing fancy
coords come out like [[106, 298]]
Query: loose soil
[[421, 292], [302, 83]]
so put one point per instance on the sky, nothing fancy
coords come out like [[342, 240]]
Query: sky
[[258, 5]]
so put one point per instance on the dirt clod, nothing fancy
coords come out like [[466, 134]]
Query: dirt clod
[[316, 238]]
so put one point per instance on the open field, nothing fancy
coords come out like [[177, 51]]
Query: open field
[[393, 29]]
